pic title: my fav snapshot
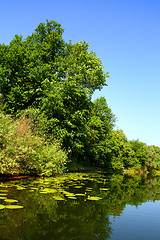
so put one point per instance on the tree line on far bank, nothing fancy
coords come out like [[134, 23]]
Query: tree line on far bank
[[47, 118]]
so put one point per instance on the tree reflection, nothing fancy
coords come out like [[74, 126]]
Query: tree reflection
[[45, 218]]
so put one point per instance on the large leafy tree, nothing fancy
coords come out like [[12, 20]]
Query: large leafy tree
[[26, 63]]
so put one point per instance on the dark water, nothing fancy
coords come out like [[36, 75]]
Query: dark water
[[81, 206]]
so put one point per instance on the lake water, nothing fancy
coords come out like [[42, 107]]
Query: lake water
[[83, 206]]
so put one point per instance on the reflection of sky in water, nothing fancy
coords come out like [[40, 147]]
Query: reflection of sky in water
[[142, 222]]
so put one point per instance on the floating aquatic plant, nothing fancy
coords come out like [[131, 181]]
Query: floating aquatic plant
[[2, 197], [58, 198], [94, 198], [80, 194], [70, 197], [10, 200], [103, 189], [2, 206], [13, 206]]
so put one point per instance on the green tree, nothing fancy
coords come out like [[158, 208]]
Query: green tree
[[153, 158], [140, 150], [100, 124], [119, 153], [66, 107], [26, 63]]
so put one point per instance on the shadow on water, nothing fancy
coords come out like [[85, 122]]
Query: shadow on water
[[72, 206]]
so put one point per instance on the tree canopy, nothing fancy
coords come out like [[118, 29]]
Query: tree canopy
[[27, 63]]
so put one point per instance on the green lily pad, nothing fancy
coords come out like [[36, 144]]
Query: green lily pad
[[13, 207], [104, 189], [2, 197], [68, 194], [80, 194], [2, 206], [20, 188], [10, 200], [94, 198], [58, 198], [70, 197], [48, 190], [3, 194], [78, 187], [3, 191]]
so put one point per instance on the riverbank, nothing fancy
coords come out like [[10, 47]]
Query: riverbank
[[79, 168]]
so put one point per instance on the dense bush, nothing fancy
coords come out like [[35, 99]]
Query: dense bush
[[22, 151]]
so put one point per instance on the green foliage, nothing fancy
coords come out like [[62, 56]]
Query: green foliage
[[119, 152], [22, 151], [100, 125], [26, 63], [48, 84], [63, 114], [52, 160], [140, 150], [56, 79], [153, 158]]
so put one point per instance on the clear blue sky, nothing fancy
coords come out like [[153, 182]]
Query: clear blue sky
[[125, 35]]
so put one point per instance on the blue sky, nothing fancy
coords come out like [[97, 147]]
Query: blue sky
[[125, 35]]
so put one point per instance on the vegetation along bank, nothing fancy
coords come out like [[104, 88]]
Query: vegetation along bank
[[48, 121]]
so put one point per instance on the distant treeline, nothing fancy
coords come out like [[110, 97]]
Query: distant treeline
[[47, 117]]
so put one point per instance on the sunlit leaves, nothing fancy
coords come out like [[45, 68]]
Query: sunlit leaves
[[26, 63], [23, 151]]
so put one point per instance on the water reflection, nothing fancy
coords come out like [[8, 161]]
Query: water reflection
[[60, 208]]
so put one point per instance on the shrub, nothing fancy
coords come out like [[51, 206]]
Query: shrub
[[24, 152]]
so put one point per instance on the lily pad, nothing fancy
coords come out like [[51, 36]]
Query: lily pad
[[80, 194], [20, 188], [13, 207], [48, 190], [94, 198], [70, 197], [69, 194], [58, 198], [88, 190], [104, 189], [10, 200], [2, 206]]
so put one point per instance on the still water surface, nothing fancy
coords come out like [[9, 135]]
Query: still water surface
[[84, 206]]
